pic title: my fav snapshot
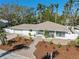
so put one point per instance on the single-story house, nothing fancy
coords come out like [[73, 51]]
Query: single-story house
[[54, 30]]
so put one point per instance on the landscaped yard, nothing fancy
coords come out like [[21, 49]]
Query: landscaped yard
[[18, 42], [62, 52], [43, 49]]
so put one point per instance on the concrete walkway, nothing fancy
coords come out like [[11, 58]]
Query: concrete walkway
[[29, 52]]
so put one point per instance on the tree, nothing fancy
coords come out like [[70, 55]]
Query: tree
[[56, 6], [47, 16], [66, 13], [75, 17], [40, 9], [3, 38], [51, 7], [15, 14]]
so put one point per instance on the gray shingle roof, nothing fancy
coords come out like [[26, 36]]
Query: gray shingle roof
[[51, 26], [42, 26]]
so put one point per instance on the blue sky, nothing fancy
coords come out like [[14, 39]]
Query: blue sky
[[33, 3]]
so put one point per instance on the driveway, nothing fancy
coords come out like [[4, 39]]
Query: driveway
[[11, 56], [29, 52]]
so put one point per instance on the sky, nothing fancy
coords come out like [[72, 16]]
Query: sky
[[34, 3]]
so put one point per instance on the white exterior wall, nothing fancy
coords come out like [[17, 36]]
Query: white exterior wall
[[71, 36], [26, 33], [21, 32], [68, 36], [76, 31]]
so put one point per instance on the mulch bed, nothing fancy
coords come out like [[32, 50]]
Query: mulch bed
[[65, 52], [15, 42]]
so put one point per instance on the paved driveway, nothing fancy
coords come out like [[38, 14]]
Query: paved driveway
[[29, 52], [11, 56]]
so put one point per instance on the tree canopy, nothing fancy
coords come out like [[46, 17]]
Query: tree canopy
[[19, 14]]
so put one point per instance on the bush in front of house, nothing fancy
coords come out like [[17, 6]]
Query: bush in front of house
[[72, 43], [46, 33], [77, 41], [30, 36], [59, 45]]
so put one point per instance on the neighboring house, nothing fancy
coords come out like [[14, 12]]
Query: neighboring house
[[76, 29], [3, 23], [38, 30]]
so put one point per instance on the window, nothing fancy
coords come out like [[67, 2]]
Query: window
[[40, 32], [51, 33], [60, 34]]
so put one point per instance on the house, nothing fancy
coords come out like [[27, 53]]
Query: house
[[3, 23], [76, 29], [54, 30]]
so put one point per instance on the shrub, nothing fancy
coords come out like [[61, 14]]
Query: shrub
[[44, 41], [9, 43], [53, 47], [77, 42], [72, 43], [46, 33], [30, 36], [59, 45], [78, 37], [51, 42]]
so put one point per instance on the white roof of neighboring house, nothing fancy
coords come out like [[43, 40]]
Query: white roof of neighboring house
[[42, 26], [4, 21], [77, 27]]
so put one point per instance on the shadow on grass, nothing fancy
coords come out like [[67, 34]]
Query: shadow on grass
[[15, 48]]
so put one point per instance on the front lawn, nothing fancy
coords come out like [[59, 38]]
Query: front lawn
[[63, 52], [18, 41]]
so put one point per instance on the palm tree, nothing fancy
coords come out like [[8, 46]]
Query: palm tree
[[70, 3], [51, 8], [56, 14], [66, 13], [75, 17], [40, 8]]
